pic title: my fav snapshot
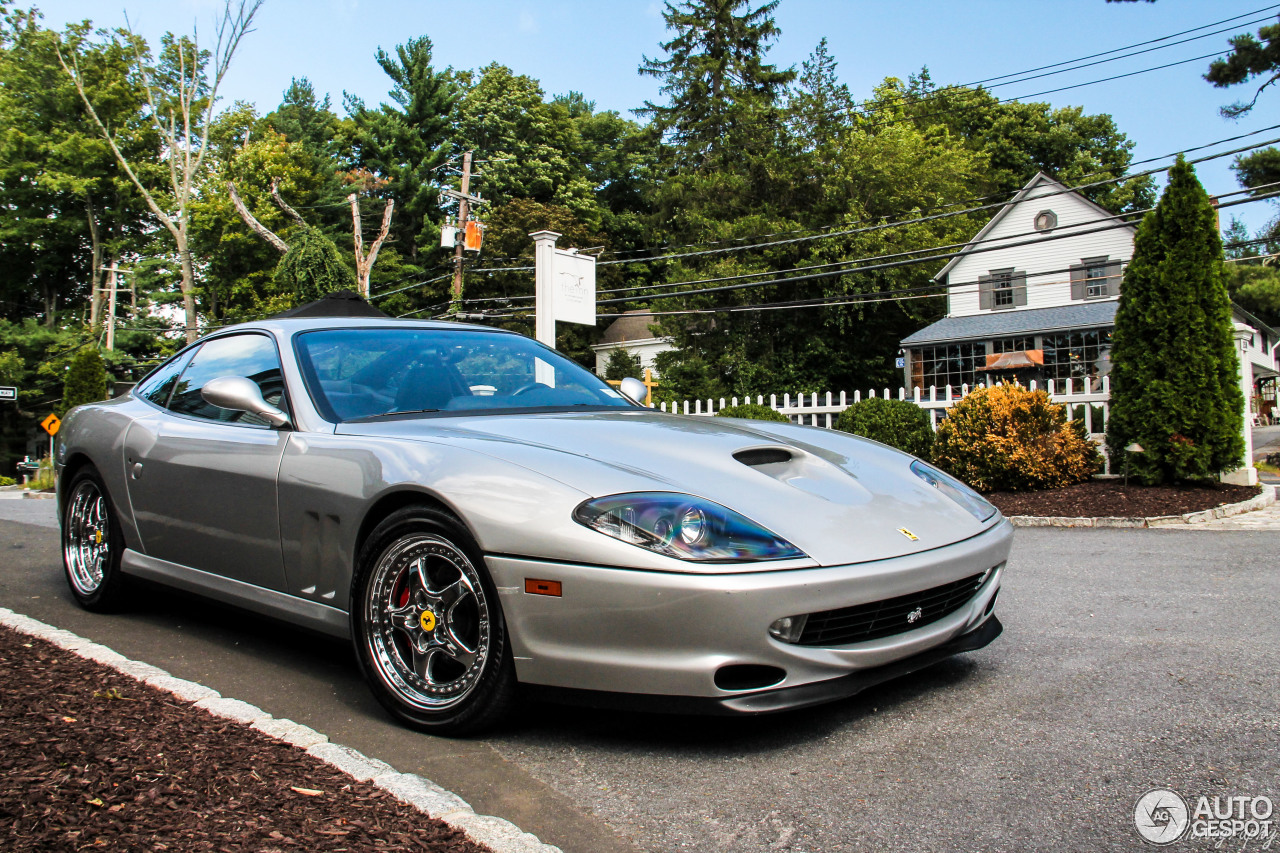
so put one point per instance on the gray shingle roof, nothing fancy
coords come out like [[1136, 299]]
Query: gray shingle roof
[[1001, 324]]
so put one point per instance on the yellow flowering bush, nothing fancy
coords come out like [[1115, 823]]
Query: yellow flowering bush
[[1008, 438]]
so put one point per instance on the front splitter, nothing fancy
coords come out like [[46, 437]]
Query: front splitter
[[772, 701]]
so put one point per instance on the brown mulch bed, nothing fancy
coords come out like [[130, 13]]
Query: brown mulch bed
[[93, 760], [1111, 498]]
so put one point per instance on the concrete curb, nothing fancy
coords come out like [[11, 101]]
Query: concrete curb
[[1265, 499], [499, 835]]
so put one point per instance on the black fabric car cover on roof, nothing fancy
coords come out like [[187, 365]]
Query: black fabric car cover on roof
[[340, 303]]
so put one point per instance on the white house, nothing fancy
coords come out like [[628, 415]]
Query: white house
[[631, 332], [1033, 297]]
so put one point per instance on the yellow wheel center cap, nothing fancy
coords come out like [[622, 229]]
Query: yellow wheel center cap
[[427, 620], [97, 537]]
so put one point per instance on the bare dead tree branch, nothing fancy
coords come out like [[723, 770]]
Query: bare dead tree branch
[[364, 263], [252, 221], [184, 155], [292, 214]]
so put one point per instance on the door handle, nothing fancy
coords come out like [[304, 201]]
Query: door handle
[[135, 470]]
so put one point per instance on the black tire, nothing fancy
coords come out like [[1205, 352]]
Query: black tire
[[427, 625], [92, 544]]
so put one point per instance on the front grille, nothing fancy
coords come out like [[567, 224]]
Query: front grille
[[891, 616]]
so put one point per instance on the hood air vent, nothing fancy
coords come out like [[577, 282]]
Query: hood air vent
[[756, 456]]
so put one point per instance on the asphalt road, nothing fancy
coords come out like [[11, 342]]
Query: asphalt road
[[1132, 659]]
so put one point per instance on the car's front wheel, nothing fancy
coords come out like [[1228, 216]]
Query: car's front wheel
[[92, 543], [429, 632]]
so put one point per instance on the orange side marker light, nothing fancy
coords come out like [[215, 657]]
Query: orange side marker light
[[533, 586]]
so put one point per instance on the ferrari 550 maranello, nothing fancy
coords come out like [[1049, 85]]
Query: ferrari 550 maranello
[[480, 515]]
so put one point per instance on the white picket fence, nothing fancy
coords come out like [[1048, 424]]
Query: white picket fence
[[822, 409]]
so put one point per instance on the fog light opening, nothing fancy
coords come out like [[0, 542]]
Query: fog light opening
[[748, 676], [789, 628]]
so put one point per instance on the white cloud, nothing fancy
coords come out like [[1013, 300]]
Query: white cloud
[[527, 22]]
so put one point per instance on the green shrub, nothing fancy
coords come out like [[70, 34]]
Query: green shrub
[[1007, 438], [753, 411], [7, 481], [86, 380], [44, 479], [896, 423]]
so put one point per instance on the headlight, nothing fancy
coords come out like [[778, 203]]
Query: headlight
[[978, 506], [683, 527]]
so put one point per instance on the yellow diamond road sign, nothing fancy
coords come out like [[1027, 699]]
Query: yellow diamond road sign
[[51, 424]]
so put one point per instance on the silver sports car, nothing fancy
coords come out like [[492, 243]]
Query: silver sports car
[[480, 514]]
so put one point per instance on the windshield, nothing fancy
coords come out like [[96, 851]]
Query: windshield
[[356, 374]]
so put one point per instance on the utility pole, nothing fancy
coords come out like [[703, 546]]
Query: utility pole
[[111, 307], [464, 212]]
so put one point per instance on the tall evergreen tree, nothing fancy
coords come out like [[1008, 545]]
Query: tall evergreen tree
[[405, 142], [714, 76], [1175, 386]]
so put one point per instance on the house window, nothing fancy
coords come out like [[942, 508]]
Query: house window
[[1095, 278], [951, 364], [1074, 355], [1002, 290], [1046, 220], [1012, 345], [1095, 281]]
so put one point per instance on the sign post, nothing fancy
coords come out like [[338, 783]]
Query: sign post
[[544, 255], [51, 425]]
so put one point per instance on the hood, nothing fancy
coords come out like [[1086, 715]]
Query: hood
[[839, 498]]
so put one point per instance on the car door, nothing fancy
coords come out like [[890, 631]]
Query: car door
[[202, 479]]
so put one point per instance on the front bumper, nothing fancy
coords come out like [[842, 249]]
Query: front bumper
[[665, 635]]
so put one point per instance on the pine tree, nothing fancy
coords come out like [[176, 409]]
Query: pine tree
[[86, 379], [1175, 386], [621, 364], [715, 78]]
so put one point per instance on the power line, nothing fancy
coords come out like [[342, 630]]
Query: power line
[[1024, 76], [853, 298], [913, 221]]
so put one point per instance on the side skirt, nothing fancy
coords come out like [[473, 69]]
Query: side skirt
[[297, 611]]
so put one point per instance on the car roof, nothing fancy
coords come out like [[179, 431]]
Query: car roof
[[292, 325]]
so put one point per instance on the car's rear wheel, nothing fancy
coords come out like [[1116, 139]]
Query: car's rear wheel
[[92, 543], [429, 632]]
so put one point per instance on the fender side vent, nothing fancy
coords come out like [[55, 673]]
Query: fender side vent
[[756, 456]]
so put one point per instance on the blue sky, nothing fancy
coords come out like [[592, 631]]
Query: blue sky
[[594, 46]]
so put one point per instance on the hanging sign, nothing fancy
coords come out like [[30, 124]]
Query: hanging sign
[[574, 288]]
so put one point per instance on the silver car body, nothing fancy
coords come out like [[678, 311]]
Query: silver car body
[[272, 521]]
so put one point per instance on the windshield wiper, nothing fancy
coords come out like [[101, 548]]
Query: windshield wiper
[[390, 414]]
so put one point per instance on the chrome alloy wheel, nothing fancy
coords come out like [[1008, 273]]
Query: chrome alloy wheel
[[428, 622], [86, 543]]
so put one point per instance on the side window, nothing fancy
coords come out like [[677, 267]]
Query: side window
[[250, 355], [159, 384]]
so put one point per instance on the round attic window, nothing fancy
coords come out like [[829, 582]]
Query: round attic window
[[1046, 220]]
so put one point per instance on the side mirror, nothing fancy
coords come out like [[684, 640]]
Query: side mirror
[[240, 394], [634, 390]]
